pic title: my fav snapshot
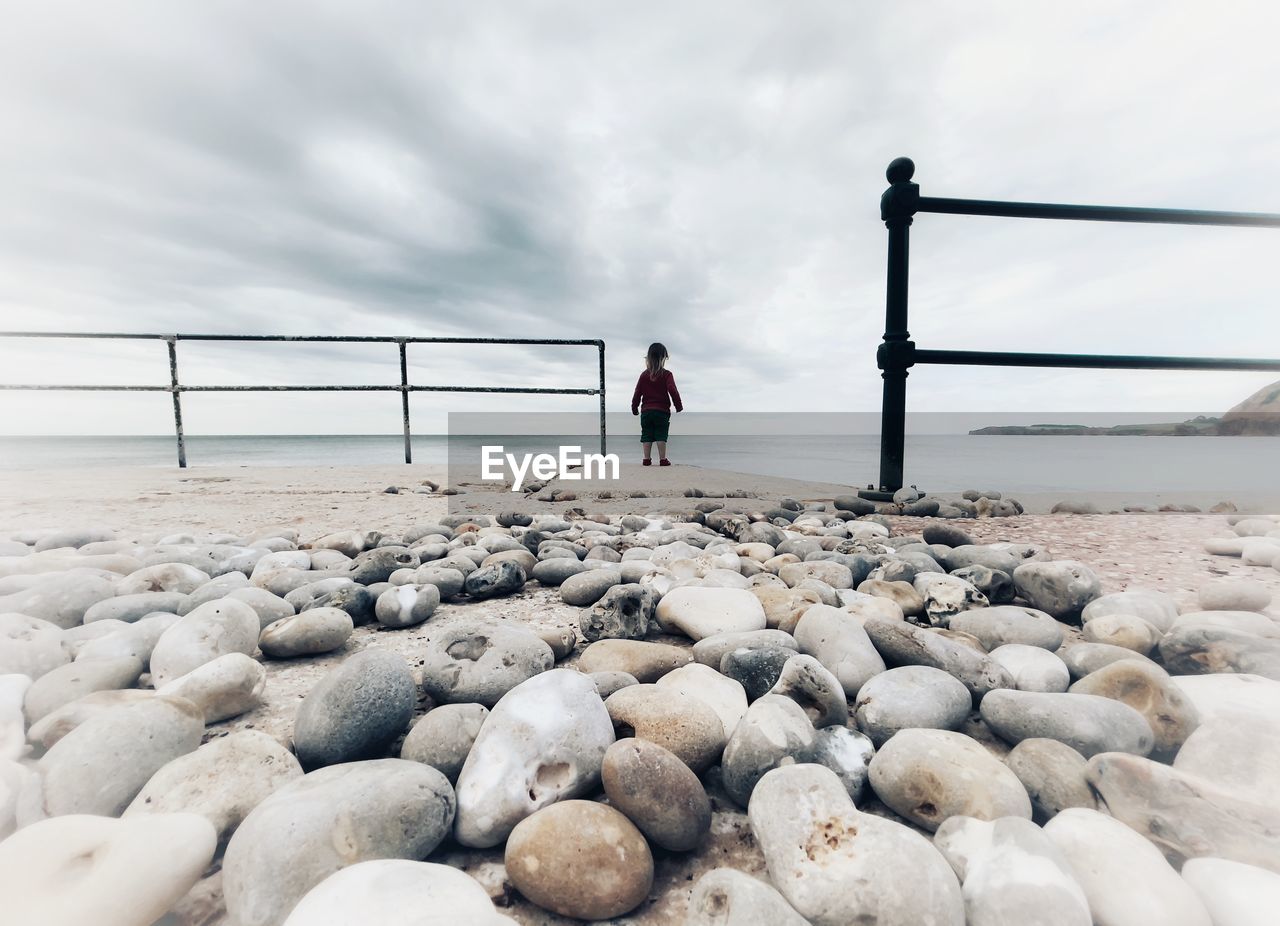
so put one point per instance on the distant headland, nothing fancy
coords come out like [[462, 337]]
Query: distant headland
[[1256, 416]]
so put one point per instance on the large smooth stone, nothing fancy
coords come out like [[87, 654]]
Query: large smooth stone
[[644, 661], [928, 776], [1234, 894], [31, 647], [1083, 658], [837, 866], [1053, 774], [543, 741], [1199, 648], [1087, 723], [847, 753], [225, 687], [1184, 816], [1234, 595], [397, 892], [480, 661], [211, 630], [838, 641], [268, 607], [326, 820], [1225, 697], [57, 724], [623, 612], [138, 639], [163, 577], [829, 573], [79, 870], [1061, 588], [904, 645], [101, 765], [681, 723], [314, 631], [712, 650], [819, 693], [699, 613], [1123, 630], [61, 600], [774, 731], [1125, 878], [74, 680], [495, 580], [909, 697], [728, 897], [1033, 668], [1156, 608], [657, 792], [1004, 624], [443, 737], [946, 596], [580, 859], [129, 608], [783, 607], [1240, 754], [355, 711], [756, 669], [584, 589], [1150, 691], [723, 695], [13, 724], [221, 781], [1011, 872]]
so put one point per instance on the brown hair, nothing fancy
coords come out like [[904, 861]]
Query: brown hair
[[656, 360]]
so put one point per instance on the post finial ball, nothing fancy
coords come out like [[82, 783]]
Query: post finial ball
[[900, 170]]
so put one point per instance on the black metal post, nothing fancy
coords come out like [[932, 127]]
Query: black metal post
[[176, 391], [602, 427], [897, 206], [404, 402]]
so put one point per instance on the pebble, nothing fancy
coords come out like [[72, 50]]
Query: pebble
[[645, 661], [495, 580], [1239, 753], [1198, 648], [1061, 588], [1234, 595], [833, 574], [1123, 630], [657, 792], [683, 724], [946, 596], [225, 687], [13, 724], [995, 627], [129, 608], [80, 869], [840, 643], [1053, 774], [221, 781], [1156, 608], [711, 651], [57, 724], [580, 859], [995, 585], [1033, 668], [847, 753], [211, 630], [355, 710], [722, 694], [1184, 816], [268, 607], [397, 892], [728, 897], [699, 613], [1087, 723], [554, 572], [622, 612], [773, 732], [783, 607], [928, 776], [310, 633], [138, 639], [443, 737], [165, 577], [1011, 872], [326, 820], [1233, 893], [608, 682], [74, 680], [1150, 691], [101, 765], [61, 600], [477, 660], [837, 866], [407, 605], [807, 682], [30, 646], [544, 741], [909, 697], [757, 669], [1124, 877], [1083, 658], [901, 644], [589, 586], [1225, 697], [903, 594]]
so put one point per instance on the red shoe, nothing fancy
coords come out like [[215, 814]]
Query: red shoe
[[646, 462], [664, 462]]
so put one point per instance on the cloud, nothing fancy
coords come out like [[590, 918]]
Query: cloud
[[704, 175]]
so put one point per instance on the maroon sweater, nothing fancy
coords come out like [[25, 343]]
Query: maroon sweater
[[651, 394]]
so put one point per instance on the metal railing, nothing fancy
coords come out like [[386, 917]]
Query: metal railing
[[897, 352], [404, 387]]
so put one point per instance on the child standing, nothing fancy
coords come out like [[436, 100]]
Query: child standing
[[655, 391]]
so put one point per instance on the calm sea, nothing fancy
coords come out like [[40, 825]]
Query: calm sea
[[939, 462]]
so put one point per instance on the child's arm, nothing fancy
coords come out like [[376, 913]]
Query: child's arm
[[671, 389], [635, 396]]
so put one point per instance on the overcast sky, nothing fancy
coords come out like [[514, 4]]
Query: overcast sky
[[704, 174]]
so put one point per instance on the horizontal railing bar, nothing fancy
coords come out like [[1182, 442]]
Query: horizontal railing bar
[[523, 390], [1088, 361], [947, 206], [354, 339]]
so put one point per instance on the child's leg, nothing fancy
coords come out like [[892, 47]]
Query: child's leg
[[648, 448]]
